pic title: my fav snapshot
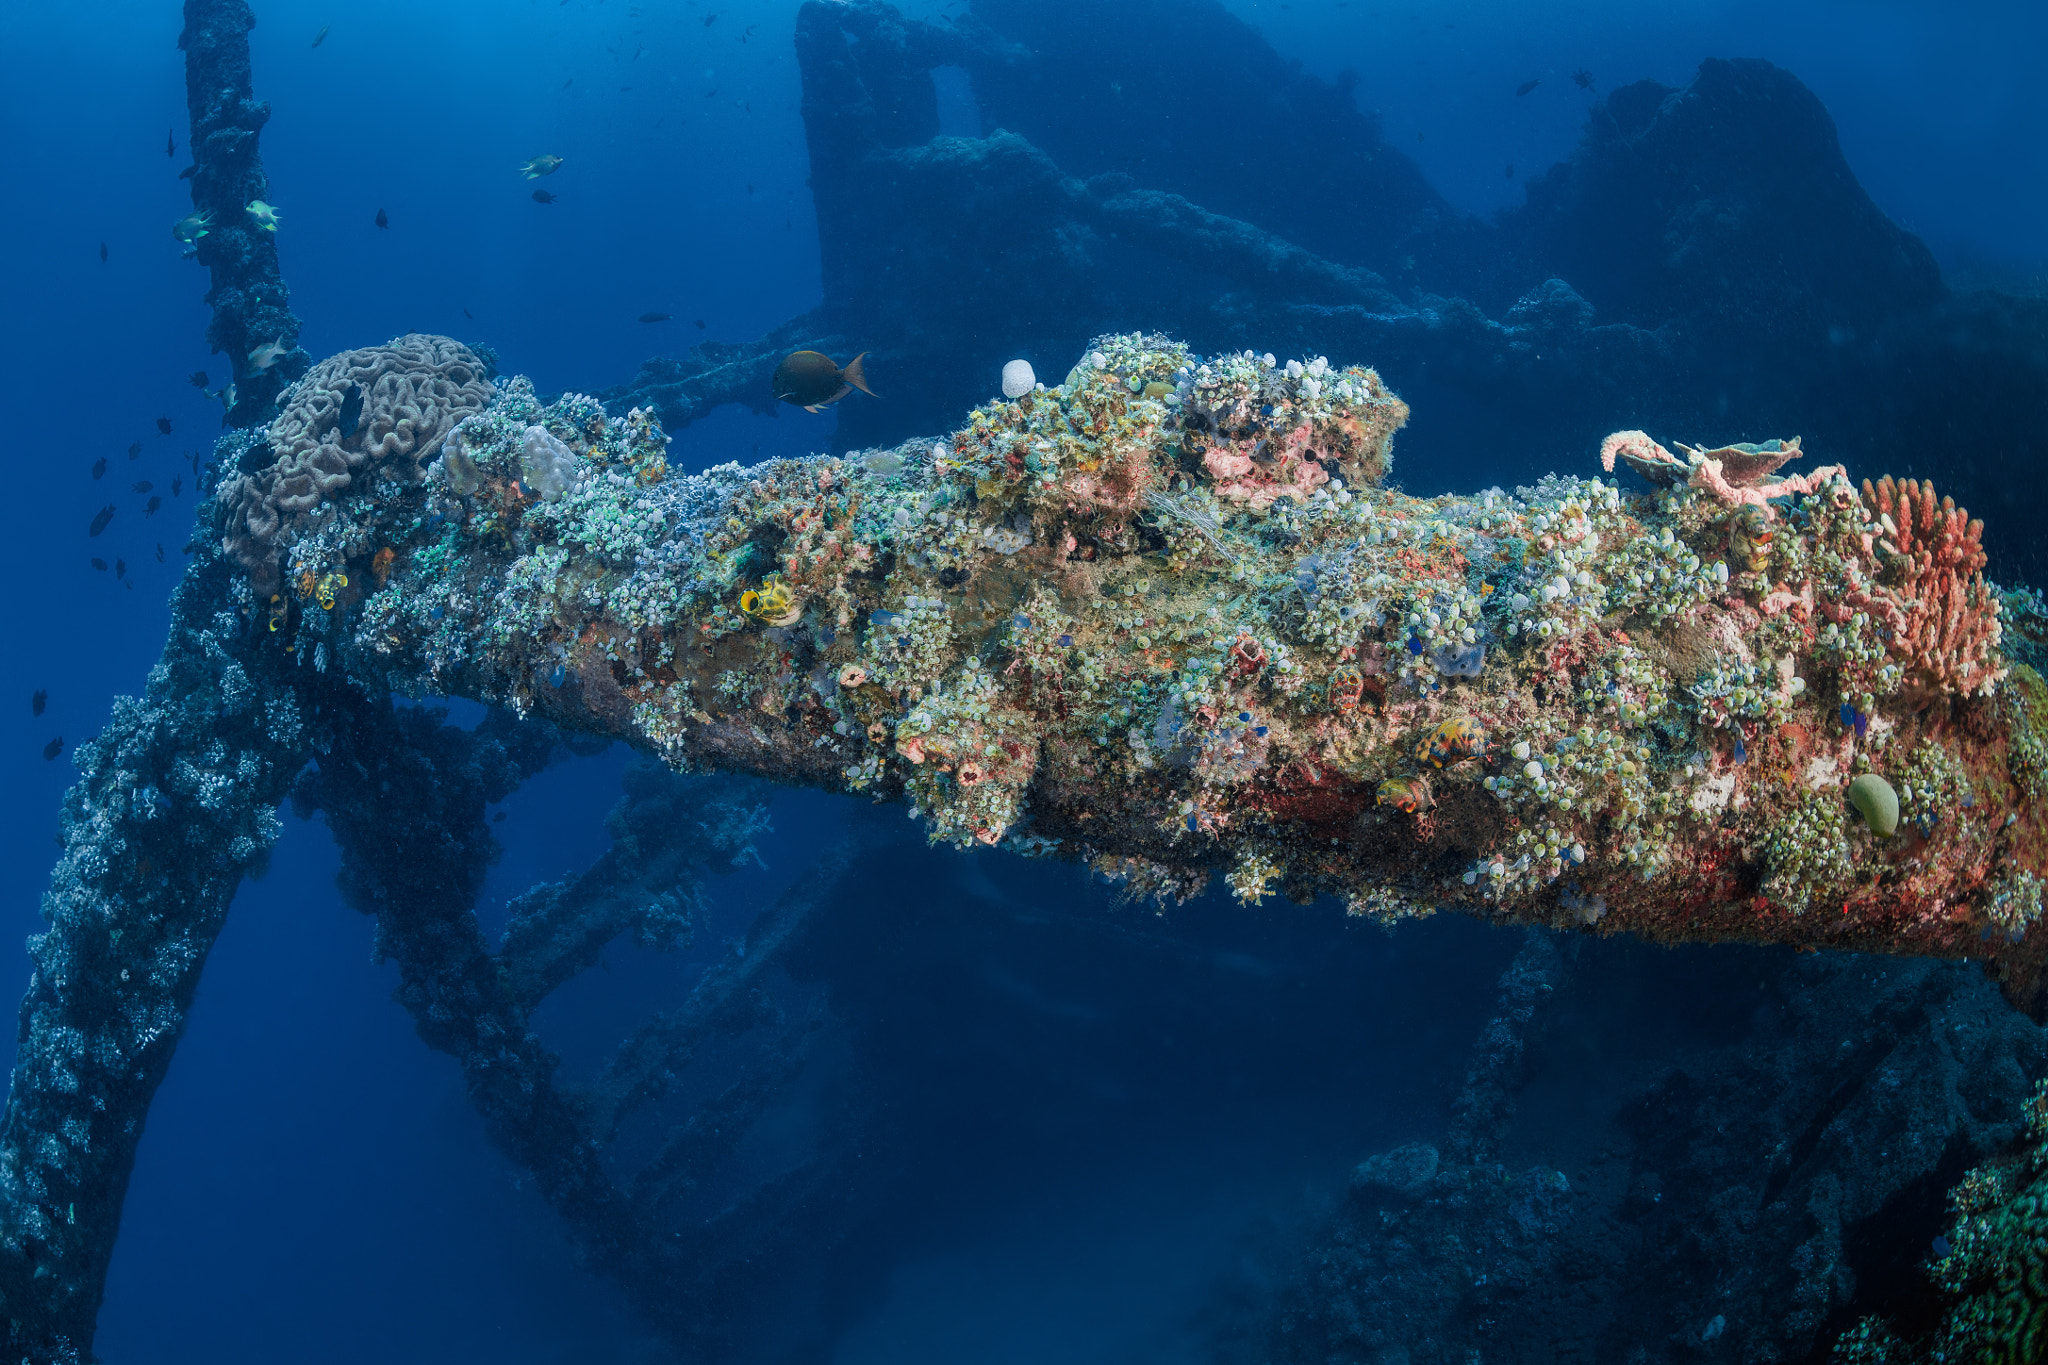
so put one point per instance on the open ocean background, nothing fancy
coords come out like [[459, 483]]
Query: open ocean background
[[313, 1186]]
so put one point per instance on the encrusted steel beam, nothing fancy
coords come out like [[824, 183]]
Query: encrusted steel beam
[[176, 802], [1166, 618]]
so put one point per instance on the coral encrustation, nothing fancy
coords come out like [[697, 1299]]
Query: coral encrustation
[[1164, 617]]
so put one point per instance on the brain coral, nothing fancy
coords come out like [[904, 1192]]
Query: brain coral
[[385, 408]]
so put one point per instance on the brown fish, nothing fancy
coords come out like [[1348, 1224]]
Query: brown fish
[[54, 747], [163, 424], [149, 508], [810, 380], [543, 197], [142, 486], [100, 520], [99, 467]]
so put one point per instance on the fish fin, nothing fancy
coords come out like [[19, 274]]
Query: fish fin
[[856, 376]]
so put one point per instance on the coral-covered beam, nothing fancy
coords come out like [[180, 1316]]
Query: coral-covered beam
[[1165, 618], [232, 230]]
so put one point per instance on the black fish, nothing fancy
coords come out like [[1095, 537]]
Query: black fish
[[40, 700], [99, 466], [383, 220], [177, 485], [171, 142], [100, 520], [1583, 79], [471, 316], [135, 450], [1526, 86], [543, 197], [710, 19], [159, 552], [120, 568], [163, 424], [54, 747], [1511, 170], [699, 323], [142, 486], [656, 317], [149, 508], [103, 253], [810, 380], [99, 564], [351, 411], [321, 36], [197, 379]]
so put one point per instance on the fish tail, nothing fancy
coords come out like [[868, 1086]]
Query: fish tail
[[856, 376]]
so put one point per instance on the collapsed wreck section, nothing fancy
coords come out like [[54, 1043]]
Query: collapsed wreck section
[[1167, 618]]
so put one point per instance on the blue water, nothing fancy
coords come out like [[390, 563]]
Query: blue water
[[313, 1186]]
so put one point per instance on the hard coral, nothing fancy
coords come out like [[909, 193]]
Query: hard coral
[[383, 407], [1940, 617]]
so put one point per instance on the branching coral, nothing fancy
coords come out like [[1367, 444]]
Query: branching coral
[[1941, 619]]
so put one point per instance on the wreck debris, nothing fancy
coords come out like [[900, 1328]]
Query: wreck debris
[[1164, 618]]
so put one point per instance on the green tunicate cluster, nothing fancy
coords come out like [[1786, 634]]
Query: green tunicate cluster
[[1626, 684], [533, 596], [1931, 786], [1568, 535], [965, 780], [2014, 900], [1732, 692], [1662, 577], [1858, 655], [912, 646], [1807, 854], [2023, 705], [1597, 778], [1536, 855]]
